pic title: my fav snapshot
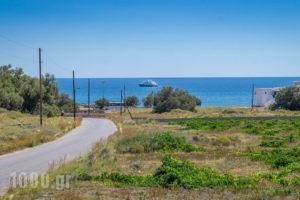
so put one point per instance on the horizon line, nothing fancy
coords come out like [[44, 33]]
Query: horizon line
[[178, 77]]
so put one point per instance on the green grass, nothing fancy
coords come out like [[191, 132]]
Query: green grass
[[151, 142], [277, 157]]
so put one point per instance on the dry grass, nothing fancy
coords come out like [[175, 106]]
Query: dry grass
[[19, 131], [225, 152], [208, 112]]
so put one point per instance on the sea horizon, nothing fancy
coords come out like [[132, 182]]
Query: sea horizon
[[213, 91]]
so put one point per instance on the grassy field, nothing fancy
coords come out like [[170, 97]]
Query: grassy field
[[190, 159], [212, 112], [19, 131]]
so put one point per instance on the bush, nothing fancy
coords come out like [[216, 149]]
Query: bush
[[287, 98], [65, 103], [277, 157], [125, 179], [149, 100], [174, 173], [131, 101], [102, 102], [50, 110], [168, 99], [165, 141]]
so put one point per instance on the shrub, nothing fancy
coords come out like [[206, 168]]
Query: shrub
[[102, 102], [125, 179], [50, 110], [149, 100], [277, 157], [287, 98], [131, 101], [174, 173], [65, 103], [168, 99], [165, 141]]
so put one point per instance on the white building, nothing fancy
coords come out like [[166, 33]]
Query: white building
[[264, 97], [297, 83]]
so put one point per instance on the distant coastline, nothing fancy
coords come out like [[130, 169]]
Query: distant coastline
[[214, 91]]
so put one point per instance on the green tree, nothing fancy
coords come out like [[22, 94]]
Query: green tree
[[21, 92], [287, 98], [131, 101], [168, 99], [149, 100], [102, 102], [65, 103]]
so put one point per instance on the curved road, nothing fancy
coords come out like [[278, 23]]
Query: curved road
[[37, 159]]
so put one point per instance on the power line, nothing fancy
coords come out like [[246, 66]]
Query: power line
[[17, 43], [51, 60], [17, 57], [56, 63]]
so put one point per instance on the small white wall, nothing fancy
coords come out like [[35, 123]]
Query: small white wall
[[264, 97]]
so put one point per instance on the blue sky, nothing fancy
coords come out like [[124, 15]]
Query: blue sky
[[152, 38]]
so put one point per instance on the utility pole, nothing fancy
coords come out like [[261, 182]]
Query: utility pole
[[89, 92], [103, 89], [41, 95], [252, 100], [124, 97], [74, 98], [121, 103]]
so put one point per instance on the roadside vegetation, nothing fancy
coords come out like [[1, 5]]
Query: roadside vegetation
[[102, 102], [131, 101], [19, 130], [20, 92], [187, 159], [168, 99], [287, 98]]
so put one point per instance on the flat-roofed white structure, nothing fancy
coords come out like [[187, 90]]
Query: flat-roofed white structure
[[264, 97], [297, 83]]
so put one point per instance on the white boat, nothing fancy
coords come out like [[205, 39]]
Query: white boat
[[148, 83]]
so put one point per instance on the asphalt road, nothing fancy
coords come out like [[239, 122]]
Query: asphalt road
[[38, 159]]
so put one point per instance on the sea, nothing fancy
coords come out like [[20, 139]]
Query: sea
[[217, 92]]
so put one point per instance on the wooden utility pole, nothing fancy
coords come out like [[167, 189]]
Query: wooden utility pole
[[74, 97], [252, 100], [89, 92], [41, 95], [124, 96], [121, 103]]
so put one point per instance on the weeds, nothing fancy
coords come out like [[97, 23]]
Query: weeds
[[174, 173], [165, 141], [259, 127], [277, 157]]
